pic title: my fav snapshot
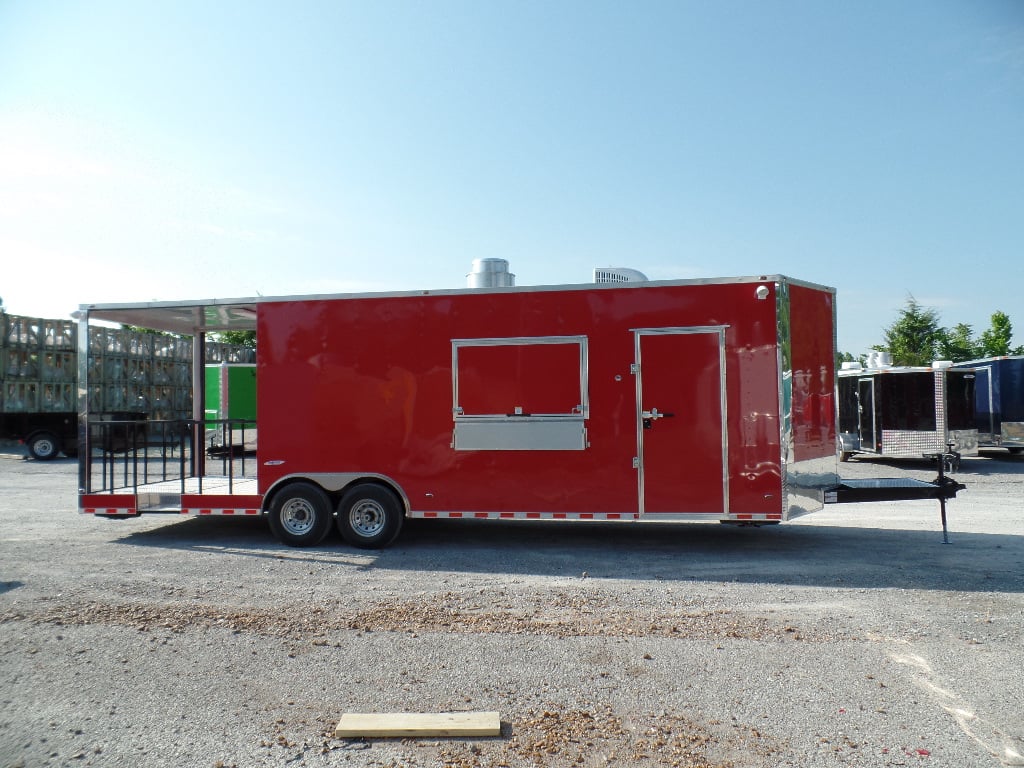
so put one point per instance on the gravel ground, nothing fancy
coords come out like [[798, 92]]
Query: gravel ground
[[851, 637]]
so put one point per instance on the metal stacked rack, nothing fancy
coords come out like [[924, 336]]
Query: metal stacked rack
[[129, 370]]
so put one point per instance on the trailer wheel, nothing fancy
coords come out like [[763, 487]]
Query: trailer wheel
[[370, 516], [43, 446], [300, 515], [845, 455]]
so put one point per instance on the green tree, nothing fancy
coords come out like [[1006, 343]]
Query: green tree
[[914, 337], [958, 344], [239, 338], [141, 329], [996, 340]]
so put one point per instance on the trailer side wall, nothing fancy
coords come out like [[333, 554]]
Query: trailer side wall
[[365, 386], [810, 446]]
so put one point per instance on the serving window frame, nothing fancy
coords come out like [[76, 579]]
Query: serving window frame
[[515, 427]]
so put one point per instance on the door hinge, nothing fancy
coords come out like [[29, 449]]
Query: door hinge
[[636, 462], [634, 368]]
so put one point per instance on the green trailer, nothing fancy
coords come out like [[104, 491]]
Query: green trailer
[[230, 408]]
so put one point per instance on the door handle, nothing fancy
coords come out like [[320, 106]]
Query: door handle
[[654, 414], [649, 417]]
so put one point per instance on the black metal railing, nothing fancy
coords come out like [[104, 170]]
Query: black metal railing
[[131, 453], [231, 447]]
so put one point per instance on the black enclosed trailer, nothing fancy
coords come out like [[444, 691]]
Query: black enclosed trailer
[[906, 412], [999, 401]]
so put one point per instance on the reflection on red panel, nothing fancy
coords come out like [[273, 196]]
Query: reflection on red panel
[[813, 354]]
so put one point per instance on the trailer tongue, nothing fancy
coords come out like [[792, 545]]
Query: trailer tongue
[[901, 489]]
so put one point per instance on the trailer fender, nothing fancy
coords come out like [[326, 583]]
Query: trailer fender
[[336, 483]]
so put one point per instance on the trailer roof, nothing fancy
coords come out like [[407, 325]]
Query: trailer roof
[[184, 317], [847, 372], [982, 360], [192, 316]]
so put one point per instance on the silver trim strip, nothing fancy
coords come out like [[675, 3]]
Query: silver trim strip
[[84, 446]]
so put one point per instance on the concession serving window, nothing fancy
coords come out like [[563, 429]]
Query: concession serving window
[[520, 393]]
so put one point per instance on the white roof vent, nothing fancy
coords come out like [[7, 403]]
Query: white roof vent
[[490, 273], [879, 360], [618, 275]]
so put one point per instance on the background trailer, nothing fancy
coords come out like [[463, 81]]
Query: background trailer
[[688, 400], [906, 412], [999, 401], [230, 408]]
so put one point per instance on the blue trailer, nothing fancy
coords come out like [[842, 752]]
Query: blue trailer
[[999, 401]]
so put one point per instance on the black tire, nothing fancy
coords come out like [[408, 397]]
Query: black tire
[[845, 455], [370, 516], [300, 515], [43, 446], [1015, 451]]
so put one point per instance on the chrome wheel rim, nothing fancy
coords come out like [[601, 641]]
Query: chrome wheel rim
[[367, 517], [297, 516], [43, 447]]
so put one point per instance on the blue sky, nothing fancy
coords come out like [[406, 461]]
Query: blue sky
[[158, 151]]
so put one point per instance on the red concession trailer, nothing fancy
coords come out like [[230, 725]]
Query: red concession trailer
[[684, 400]]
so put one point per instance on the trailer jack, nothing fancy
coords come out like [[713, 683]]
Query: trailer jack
[[901, 489]]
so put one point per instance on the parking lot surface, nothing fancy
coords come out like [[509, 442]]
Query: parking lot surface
[[849, 637]]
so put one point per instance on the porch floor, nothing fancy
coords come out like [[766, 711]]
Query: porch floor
[[212, 485]]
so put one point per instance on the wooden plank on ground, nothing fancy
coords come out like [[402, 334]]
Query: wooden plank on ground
[[390, 724]]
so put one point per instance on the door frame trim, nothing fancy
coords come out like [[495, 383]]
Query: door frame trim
[[638, 334], [873, 448]]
